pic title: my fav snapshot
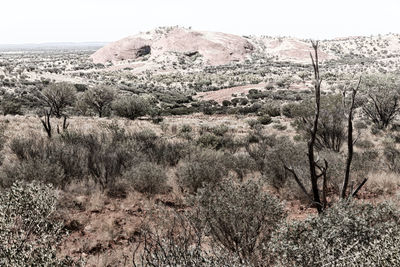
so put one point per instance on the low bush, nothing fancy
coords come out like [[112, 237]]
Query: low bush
[[131, 107], [147, 178], [201, 167], [239, 216], [264, 120], [33, 170], [271, 109], [347, 234], [29, 234], [180, 245]]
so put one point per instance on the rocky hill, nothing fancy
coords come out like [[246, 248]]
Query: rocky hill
[[210, 48], [169, 48]]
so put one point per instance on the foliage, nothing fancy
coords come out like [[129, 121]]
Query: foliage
[[180, 245], [239, 216], [264, 119], [58, 96], [11, 105], [147, 178], [331, 124], [201, 167], [29, 235], [347, 234], [131, 107], [382, 99], [99, 99]]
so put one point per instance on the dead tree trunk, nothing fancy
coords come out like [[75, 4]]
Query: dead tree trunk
[[316, 171], [46, 122], [350, 141], [64, 125], [311, 142]]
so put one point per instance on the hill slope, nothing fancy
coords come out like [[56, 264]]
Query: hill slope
[[212, 48]]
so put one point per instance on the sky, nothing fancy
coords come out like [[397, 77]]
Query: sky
[[39, 21]]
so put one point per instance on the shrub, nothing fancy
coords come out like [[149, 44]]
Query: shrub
[[264, 120], [291, 110], [271, 109], [392, 156], [279, 126], [238, 217], [147, 178], [158, 150], [331, 124], [58, 96], [253, 123], [2, 141], [33, 170], [180, 245], [186, 128], [131, 107], [347, 234], [29, 235], [209, 140], [240, 163], [359, 125], [383, 95], [11, 105], [99, 99], [201, 167], [226, 103]]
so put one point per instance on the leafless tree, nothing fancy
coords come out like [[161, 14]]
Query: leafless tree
[[350, 142], [316, 171]]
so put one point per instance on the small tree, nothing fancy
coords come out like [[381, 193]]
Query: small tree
[[317, 170], [58, 96], [383, 94], [99, 99], [131, 107]]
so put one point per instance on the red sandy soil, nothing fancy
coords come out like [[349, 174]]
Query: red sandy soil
[[226, 94]]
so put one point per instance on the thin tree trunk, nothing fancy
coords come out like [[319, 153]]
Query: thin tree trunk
[[350, 142], [311, 142]]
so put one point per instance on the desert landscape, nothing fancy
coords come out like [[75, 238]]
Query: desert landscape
[[181, 147]]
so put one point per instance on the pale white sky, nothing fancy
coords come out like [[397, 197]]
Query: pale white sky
[[36, 21]]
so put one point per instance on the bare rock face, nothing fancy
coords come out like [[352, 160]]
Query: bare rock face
[[215, 48], [142, 51], [125, 49]]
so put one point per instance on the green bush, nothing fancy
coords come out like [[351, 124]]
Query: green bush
[[239, 216], [201, 167], [392, 156], [131, 107], [29, 235], [347, 234], [11, 105], [58, 96], [291, 110], [180, 244], [99, 99], [241, 163], [33, 170], [271, 109], [147, 177], [264, 120]]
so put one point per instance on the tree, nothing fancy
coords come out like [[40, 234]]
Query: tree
[[99, 99], [316, 170], [331, 124], [58, 96], [383, 94], [131, 107], [350, 141]]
